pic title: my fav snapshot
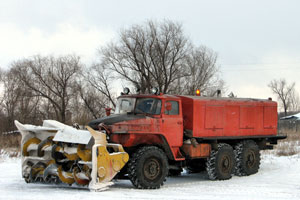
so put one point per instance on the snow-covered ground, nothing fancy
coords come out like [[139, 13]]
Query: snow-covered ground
[[278, 178]]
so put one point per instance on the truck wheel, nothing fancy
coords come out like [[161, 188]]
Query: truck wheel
[[148, 168], [221, 162], [247, 157]]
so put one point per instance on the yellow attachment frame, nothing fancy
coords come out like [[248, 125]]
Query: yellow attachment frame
[[108, 165], [105, 165]]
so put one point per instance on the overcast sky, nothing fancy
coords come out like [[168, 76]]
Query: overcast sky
[[256, 40]]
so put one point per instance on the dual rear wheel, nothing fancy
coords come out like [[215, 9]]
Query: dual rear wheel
[[248, 158], [221, 162], [243, 160]]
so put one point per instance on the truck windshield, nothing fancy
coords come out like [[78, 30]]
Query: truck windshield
[[148, 106], [125, 105], [142, 105]]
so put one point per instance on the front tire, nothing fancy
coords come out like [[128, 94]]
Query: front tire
[[148, 168], [221, 162]]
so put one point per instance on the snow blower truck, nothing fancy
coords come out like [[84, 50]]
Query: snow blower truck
[[151, 136]]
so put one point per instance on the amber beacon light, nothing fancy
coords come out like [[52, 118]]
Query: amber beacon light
[[197, 92]]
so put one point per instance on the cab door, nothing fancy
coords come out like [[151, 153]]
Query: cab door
[[172, 122]]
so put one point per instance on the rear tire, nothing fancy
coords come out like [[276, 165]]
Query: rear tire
[[247, 157], [148, 168], [221, 162]]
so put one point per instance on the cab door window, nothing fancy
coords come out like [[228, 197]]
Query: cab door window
[[171, 108]]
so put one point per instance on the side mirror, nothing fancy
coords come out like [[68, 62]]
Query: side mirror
[[107, 110], [168, 106]]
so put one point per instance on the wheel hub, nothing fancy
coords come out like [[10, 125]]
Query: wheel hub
[[226, 164], [151, 169], [251, 159]]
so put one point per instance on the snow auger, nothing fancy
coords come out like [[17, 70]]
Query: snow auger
[[57, 153]]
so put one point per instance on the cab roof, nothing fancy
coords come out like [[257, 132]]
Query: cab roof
[[160, 96]]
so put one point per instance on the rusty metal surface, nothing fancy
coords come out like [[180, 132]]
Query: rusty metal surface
[[196, 151]]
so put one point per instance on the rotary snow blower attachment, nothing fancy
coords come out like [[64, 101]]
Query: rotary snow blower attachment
[[57, 153]]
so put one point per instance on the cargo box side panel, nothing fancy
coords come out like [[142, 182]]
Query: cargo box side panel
[[232, 120], [270, 120], [199, 118], [247, 117], [251, 119], [259, 119], [214, 120], [214, 117]]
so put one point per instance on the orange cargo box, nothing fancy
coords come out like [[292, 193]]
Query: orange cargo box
[[219, 118]]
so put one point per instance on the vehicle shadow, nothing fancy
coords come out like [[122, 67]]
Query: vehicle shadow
[[173, 181]]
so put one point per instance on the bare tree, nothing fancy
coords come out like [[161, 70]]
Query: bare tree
[[1, 86], [17, 102], [202, 73], [160, 55], [1, 74], [52, 79], [11, 96], [284, 92], [295, 101], [148, 55], [2, 115], [90, 103], [100, 78]]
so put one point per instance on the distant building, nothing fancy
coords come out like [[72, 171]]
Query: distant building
[[291, 117]]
